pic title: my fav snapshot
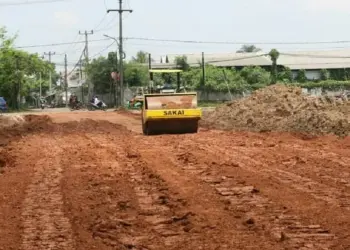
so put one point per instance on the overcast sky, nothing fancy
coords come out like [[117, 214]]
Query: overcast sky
[[200, 20]]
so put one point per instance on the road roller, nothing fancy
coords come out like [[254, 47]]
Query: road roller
[[170, 113]]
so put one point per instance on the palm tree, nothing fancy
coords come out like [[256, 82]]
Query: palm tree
[[274, 54]]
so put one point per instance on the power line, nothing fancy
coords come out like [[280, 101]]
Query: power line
[[57, 44], [101, 21], [70, 47], [103, 50], [183, 41], [233, 43], [76, 64], [108, 26], [31, 2]]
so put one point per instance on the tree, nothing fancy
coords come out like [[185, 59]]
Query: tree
[[19, 71], [141, 57], [324, 75], [285, 75], [301, 77], [248, 49], [181, 62], [167, 59], [255, 75], [136, 74], [274, 54], [99, 72]]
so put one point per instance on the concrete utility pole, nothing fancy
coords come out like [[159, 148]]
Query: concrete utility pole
[[18, 83], [66, 78], [121, 52], [119, 102], [50, 53], [81, 80], [90, 84], [40, 85], [203, 70]]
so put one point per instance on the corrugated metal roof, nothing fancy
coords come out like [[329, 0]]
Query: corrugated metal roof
[[331, 59]]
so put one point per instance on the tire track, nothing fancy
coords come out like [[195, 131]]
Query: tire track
[[322, 192], [321, 165], [166, 227], [44, 224], [281, 225]]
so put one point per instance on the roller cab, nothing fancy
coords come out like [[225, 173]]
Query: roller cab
[[170, 113]]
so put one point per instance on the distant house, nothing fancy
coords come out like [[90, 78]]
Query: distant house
[[312, 61]]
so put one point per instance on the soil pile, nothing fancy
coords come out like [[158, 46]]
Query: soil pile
[[282, 108], [30, 124], [7, 121]]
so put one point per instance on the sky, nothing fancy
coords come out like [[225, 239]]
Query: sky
[[234, 21]]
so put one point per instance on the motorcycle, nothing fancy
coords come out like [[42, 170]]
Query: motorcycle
[[101, 106], [76, 106]]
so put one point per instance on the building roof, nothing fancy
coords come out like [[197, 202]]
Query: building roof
[[331, 59]]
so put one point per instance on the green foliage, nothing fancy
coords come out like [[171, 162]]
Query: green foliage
[[141, 57], [19, 70], [324, 75], [301, 77], [328, 84], [100, 69], [248, 49], [136, 74], [274, 54], [99, 72], [217, 79], [255, 75], [285, 76], [181, 62]]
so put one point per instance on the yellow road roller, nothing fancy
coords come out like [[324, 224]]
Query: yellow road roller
[[170, 113]]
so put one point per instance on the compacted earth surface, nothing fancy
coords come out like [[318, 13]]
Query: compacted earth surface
[[91, 180]]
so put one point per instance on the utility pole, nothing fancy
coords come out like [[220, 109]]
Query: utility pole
[[40, 85], [50, 53], [66, 78], [203, 70], [81, 81], [18, 83], [90, 84], [121, 52]]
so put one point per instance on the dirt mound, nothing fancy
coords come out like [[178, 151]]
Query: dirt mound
[[7, 121], [42, 123], [20, 125], [282, 108]]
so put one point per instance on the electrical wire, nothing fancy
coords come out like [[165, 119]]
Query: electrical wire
[[31, 2], [101, 21], [58, 44], [103, 50], [232, 43], [72, 46], [77, 64], [109, 25], [183, 41]]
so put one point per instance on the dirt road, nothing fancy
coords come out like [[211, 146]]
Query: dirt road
[[73, 183]]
